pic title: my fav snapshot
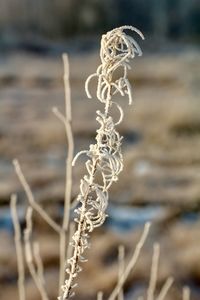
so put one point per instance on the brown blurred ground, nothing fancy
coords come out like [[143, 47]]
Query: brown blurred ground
[[161, 155]]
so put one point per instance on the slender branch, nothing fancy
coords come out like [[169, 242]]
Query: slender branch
[[154, 272], [168, 283], [18, 246], [131, 263], [31, 199], [29, 257], [38, 260], [100, 295], [68, 110], [121, 263], [70, 140], [186, 293], [59, 115], [67, 119]]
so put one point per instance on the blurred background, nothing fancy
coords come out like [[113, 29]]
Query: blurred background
[[161, 178]]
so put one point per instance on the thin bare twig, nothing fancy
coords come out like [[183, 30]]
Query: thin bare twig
[[100, 295], [58, 114], [66, 120], [154, 272], [29, 257], [18, 246], [168, 283], [31, 199], [121, 263], [131, 263], [186, 293], [70, 140], [39, 263]]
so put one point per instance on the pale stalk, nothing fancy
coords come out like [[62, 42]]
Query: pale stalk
[[131, 263], [121, 266], [67, 119], [31, 198], [29, 256], [168, 283], [19, 249], [154, 272]]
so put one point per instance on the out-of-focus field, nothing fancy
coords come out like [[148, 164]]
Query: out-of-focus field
[[160, 181]]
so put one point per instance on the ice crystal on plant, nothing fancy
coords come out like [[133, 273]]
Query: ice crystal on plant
[[105, 160]]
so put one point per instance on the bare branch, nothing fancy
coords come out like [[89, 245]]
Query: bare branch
[[131, 263], [38, 260], [186, 293], [121, 263], [165, 288], [59, 115], [67, 119], [31, 199], [29, 257], [154, 272], [100, 295], [18, 246], [70, 140]]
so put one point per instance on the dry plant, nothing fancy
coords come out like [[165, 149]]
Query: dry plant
[[103, 166], [104, 157]]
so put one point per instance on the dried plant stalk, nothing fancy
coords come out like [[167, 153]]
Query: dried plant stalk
[[153, 278], [19, 248], [31, 198], [121, 267], [131, 263], [100, 295], [165, 288], [36, 274], [105, 158], [67, 120], [38, 261], [186, 293], [154, 272]]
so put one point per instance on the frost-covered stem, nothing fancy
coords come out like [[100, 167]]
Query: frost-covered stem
[[80, 231], [105, 156]]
